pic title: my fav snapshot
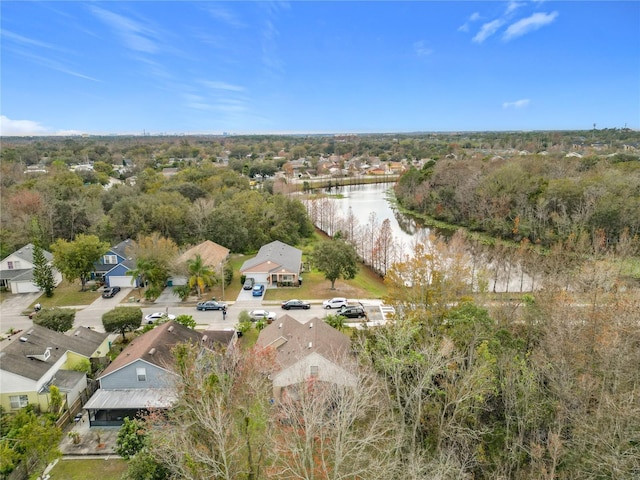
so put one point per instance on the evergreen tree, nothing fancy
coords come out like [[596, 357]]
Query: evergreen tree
[[42, 272]]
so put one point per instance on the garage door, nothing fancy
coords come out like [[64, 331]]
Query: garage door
[[24, 287], [121, 282], [259, 277]]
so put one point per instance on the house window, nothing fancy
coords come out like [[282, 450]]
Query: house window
[[142, 374], [313, 370], [19, 401], [110, 260], [15, 265]]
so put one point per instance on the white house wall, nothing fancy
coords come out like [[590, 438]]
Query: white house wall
[[12, 383]]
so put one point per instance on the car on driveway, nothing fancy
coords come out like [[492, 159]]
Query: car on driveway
[[352, 311], [155, 316], [262, 315], [258, 290], [211, 305], [335, 302], [289, 304], [110, 292], [248, 283]]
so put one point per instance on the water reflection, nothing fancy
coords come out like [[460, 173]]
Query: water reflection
[[360, 213]]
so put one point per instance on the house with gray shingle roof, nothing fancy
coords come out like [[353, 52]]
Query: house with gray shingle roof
[[306, 351], [141, 377], [39, 358], [16, 271], [275, 264], [112, 268]]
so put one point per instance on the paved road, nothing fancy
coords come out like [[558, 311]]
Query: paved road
[[91, 315]]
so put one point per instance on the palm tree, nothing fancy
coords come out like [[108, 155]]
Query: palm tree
[[201, 275]]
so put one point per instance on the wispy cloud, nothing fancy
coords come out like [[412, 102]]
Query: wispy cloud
[[513, 6], [225, 16], [515, 28], [487, 30], [133, 34], [474, 17], [25, 41], [529, 24], [216, 85], [49, 62], [421, 49], [270, 33], [517, 104]]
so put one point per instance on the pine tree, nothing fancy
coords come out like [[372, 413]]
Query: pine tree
[[42, 272]]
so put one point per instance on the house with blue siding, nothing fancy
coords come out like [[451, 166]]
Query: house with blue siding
[[141, 378], [113, 267]]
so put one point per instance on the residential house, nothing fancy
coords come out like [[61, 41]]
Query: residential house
[[212, 254], [141, 377], [304, 351], [16, 271], [112, 268], [276, 264], [217, 340], [41, 357]]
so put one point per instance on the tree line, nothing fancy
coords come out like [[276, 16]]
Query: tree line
[[544, 199], [204, 202]]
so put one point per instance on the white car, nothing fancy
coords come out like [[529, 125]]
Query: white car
[[152, 317], [336, 302], [262, 315]]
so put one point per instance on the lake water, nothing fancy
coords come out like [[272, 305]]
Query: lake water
[[364, 200]]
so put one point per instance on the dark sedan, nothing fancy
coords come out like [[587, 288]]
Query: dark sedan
[[211, 305], [110, 292], [289, 304]]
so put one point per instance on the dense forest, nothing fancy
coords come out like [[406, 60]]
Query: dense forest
[[541, 198], [462, 384]]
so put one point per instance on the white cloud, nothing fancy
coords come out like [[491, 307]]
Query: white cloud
[[529, 24], [216, 85], [421, 49], [10, 127], [517, 104], [226, 16], [474, 17], [513, 6], [487, 30], [134, 35], [25, 128]]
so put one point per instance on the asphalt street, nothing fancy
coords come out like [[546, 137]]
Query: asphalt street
[[11, 310]]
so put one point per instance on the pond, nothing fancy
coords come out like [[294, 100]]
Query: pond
[[361, 212]]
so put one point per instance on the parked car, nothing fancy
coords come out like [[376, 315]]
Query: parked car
[[248, 283], [262, 315], [211, 305], [352, 311], [258, 290], [335, 302], [153, 317], [289, 304], [110, 292]]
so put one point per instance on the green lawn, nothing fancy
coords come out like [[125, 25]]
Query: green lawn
[[89, 469], [68, 294]]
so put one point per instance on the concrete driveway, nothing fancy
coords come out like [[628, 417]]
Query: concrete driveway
[[11, 310]]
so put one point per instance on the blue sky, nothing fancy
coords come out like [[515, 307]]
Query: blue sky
[[317, 67]]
